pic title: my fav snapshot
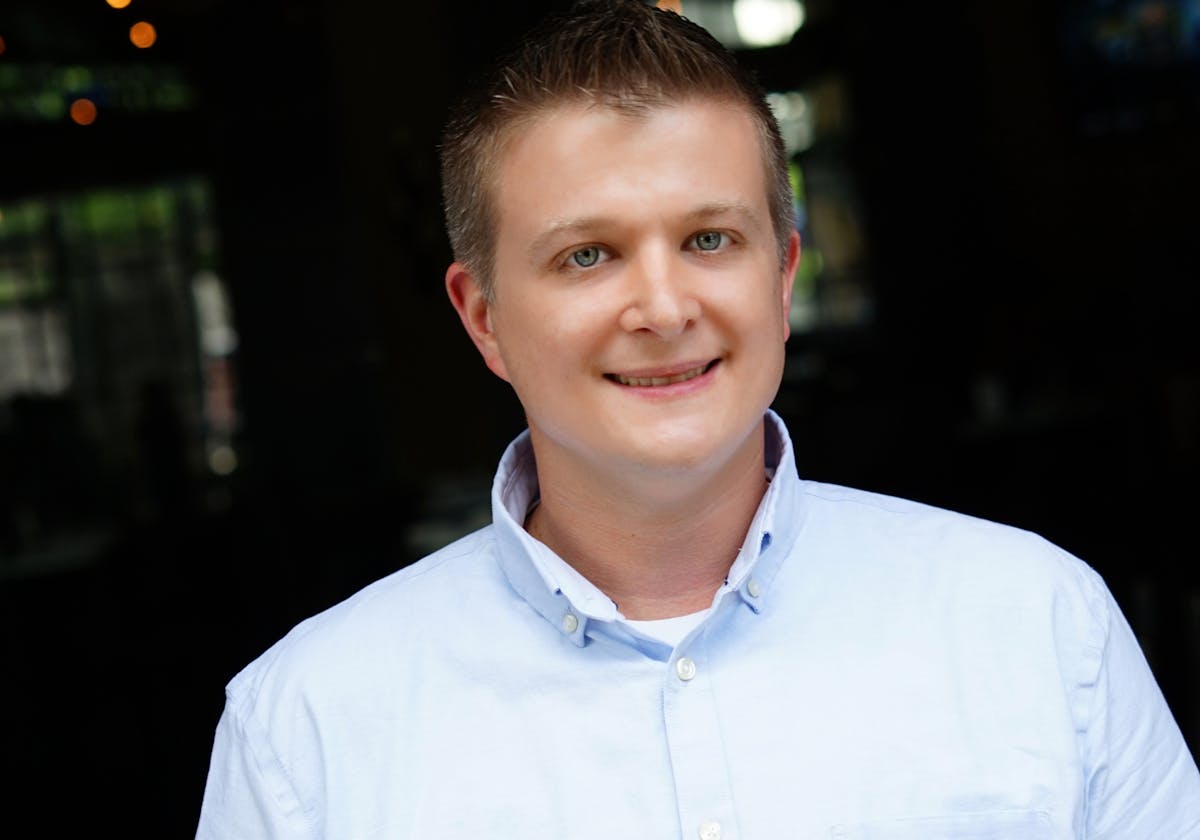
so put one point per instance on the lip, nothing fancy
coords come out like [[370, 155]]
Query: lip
[[701, 370]]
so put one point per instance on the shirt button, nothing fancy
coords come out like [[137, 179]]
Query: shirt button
[[710, 831], [753, 588], [686, 669], [570, 623]]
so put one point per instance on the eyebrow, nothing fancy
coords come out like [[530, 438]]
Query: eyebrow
[[557, 227], [724, 208], [584, 224]]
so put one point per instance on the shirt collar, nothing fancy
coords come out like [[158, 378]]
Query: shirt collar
[[569, 601]]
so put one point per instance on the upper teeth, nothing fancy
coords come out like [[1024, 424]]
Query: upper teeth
[[647, 381]]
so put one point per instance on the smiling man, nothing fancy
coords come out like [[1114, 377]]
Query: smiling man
[[665, 632], [641, 317]]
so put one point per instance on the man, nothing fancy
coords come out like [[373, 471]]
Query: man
[[665, 632]]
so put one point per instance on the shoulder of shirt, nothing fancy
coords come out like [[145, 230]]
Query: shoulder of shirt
[[386, 614], [970, 547]]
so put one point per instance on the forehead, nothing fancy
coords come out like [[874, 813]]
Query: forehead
[[586, 159]]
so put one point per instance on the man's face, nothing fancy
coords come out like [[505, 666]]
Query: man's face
[[640, 309]]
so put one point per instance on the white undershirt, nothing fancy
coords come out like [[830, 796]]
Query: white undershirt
[[669, 630]]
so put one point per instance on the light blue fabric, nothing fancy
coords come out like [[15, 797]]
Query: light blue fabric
[[874, 669]]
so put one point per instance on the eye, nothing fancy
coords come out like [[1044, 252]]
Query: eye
[[586, 257], [709, 240]]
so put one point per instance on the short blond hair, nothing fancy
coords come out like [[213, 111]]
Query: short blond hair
[[622, 54]]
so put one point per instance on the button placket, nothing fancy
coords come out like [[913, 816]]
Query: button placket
[[703, 788]]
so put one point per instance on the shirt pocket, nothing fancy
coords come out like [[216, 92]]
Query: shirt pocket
[[992, 825]]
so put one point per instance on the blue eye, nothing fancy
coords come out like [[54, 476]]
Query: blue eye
[[586, 257], [710, 240]]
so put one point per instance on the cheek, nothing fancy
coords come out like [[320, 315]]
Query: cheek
[[543, 343], [754, 312], [573, 322]]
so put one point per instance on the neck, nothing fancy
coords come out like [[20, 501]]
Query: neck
[[657, 548]]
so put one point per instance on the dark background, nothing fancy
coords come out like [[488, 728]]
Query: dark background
[[1028, 353]]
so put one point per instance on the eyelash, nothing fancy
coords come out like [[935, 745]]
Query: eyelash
[[603, 253]]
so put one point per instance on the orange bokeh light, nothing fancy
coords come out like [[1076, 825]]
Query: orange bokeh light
[[83, 111], [1, 46], [142, 35], [118, 4]]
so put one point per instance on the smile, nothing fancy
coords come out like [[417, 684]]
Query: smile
[[658, 381]]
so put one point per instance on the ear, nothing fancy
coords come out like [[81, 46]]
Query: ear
[[475, 312], [787, 279]]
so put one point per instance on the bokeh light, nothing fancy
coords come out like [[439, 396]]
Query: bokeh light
[[222, 460], [765, 23], [2, 45], [118, 4], [143, 35], [83, 111]]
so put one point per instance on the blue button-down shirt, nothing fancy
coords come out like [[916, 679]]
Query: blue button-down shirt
[[873, 669]]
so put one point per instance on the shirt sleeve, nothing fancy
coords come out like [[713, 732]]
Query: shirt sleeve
[[248, 793], [1141, 779]]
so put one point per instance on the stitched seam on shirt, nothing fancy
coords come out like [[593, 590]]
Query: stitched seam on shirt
[[511, 479], [424, 566], [893, 505], [248, 722], [253, 675], [875, 501], [1088, 762], [712, 696]]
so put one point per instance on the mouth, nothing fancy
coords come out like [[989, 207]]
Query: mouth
[[659, 380]]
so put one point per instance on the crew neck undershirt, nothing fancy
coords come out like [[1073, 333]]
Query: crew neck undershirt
[[669, 630]]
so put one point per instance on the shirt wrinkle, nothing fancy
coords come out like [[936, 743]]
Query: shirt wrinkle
[[1006, 694]]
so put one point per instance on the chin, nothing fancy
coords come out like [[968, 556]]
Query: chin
[[685, 448]]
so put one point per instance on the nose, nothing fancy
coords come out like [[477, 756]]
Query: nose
[[660, 299]]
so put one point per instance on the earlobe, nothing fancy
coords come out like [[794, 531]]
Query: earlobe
[[475, 312]]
